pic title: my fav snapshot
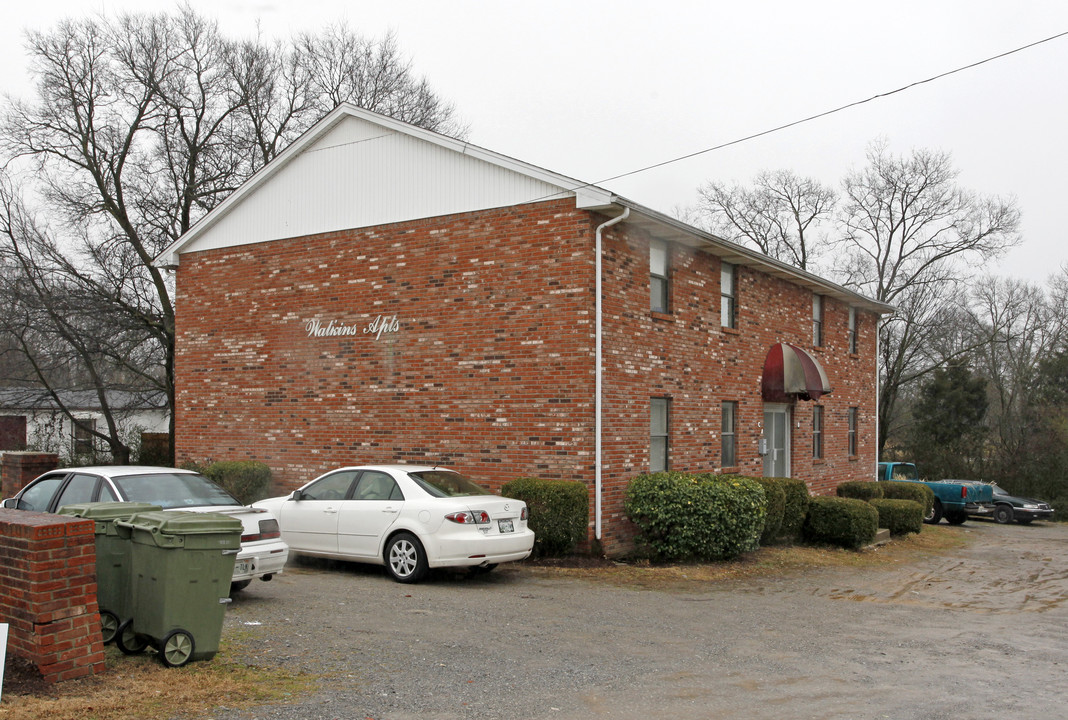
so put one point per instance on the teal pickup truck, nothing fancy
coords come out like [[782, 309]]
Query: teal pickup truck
[[954, 500]]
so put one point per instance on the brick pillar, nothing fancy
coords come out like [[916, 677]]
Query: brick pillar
[[48, 593], [18, 468]]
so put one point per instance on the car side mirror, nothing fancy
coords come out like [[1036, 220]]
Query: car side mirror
[[11, 504], [296, 495]]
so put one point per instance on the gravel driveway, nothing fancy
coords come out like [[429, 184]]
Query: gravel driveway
[[979, 634]]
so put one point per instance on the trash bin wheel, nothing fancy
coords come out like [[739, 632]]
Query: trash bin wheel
[[129, 642], [109, 625], [177, 648]]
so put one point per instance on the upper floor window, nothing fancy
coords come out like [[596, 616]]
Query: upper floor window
[[817, 320], [727, 433], [728, 302], [658, 276], [817, 431], [853, 330], [659, 426]]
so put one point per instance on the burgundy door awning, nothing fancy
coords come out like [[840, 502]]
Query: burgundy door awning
[[790, 372]]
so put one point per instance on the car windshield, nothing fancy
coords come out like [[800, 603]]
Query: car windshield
[[173, 490], [998, 490], [444, 483]]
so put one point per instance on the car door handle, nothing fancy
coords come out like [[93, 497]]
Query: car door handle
[[390, 510], [330, 511]]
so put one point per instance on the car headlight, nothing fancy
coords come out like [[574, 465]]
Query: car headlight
[[1030, 506]]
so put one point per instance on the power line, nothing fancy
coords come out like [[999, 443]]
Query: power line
[[828, 112]]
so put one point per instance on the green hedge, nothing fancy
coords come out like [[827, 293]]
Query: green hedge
[[796, 508], [775, 497], [860, 490], [695, 517], [839, 521], [917, 492], [559, 513], [246, 480], [899, 516]]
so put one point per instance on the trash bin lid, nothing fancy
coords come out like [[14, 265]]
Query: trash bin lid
[[182, 522], [106, 510]]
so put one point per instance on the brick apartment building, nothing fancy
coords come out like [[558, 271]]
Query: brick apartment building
[[380, 293]]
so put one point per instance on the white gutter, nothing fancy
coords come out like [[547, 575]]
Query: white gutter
[[597, 402]]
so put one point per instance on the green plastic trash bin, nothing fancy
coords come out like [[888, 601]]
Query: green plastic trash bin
[[112, 559], [182, 564]]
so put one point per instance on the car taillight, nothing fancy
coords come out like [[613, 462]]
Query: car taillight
[[523, 515], [268, 531], [467, 517]]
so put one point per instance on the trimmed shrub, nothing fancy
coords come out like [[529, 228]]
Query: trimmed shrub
[[775, 497], [695, 517], [246, 480], [844, 522], [559, 513], [899, 516], [795, 509], [857, 490], [917, 492]]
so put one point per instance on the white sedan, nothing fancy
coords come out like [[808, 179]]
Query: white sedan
[[263, 553], [409, 518]]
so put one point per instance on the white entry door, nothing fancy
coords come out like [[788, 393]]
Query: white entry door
[[777, 434]]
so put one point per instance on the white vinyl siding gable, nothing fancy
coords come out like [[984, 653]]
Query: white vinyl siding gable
[[359, 174]]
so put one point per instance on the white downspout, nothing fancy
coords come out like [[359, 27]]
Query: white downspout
[[597, 402]]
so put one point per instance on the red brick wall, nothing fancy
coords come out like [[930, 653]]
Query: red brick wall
[[19, 468], [492, 368], [48, 593], [687, 356]]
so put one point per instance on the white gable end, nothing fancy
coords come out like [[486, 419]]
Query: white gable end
[[359, 174]]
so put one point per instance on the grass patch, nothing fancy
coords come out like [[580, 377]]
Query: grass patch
[[140, 686], [765, 562]]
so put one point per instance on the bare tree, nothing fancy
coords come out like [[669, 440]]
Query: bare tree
[[144, 123], [778, 214], [909, 236]]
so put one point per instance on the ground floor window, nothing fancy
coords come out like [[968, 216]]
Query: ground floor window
[[83, 436], [817, 431], [727, 434], [659, 425], [852, 431]]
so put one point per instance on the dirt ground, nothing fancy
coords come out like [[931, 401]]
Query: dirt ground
[[980, 633]]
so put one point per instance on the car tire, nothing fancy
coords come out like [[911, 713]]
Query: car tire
[[177, 648], [405, 558], [239, 585], [129, 642], [956, 517], [1003, 514], [934, 514], [109, 625]]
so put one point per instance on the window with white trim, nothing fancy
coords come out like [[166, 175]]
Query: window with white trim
[[817, 321], [817, 431], [852, 433], [728, 296], [728, 457], [853, 330], [659, 267], [659, 432]]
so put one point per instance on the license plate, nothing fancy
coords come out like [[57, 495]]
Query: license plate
[[505, 526], [243, 567]]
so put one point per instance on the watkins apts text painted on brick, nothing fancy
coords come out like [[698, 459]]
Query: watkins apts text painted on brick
[[454, 320], [333, 328]]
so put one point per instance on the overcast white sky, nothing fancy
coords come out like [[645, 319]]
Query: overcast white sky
[[593, 89]]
